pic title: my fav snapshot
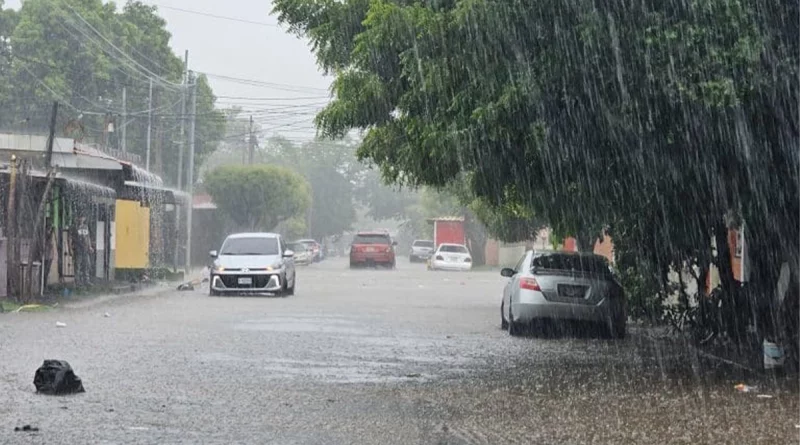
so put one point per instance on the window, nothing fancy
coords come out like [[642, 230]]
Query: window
[[449, 248], [251, 246], [582, 263], [423, 243], [371, 239], [521, 263]]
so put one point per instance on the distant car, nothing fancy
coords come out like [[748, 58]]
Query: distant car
[[451, 257], [563, 286], [421, 250], [316, 250], [372, 249], [302, 253], [253, 263]]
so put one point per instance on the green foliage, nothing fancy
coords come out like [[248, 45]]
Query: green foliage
[[258, 197], [651, 121], [86, 65]]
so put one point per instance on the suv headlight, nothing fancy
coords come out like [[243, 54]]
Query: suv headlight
[[275, 266]]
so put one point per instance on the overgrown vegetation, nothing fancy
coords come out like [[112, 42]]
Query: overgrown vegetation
[[662, 124]]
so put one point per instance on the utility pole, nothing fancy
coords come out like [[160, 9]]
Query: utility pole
[[190, 173], [124, 118], [149, 125], [48, 157], [183, 119], [11, 231], [180, 154], [252, 143]]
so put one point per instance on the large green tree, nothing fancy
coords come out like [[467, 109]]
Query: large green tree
[[258, 197], [659, 122], [84, 53]]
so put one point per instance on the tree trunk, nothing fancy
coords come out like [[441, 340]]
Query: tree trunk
[[33, 251], [723, 260], [586, 241]]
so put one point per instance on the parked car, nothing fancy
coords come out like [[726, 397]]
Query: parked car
[[253, 263], [302, 254], [563, 286], [421, 250], [316, 249], [372, 249], [451, 257]]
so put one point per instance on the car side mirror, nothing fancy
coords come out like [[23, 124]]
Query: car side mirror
[[288, 253], [394, 243], [508, 272], [213, 254]]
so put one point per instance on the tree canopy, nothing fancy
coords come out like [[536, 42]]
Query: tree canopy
[[661, 123], [258, 197], [83, 54]]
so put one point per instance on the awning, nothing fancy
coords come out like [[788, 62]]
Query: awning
[[176, 194], [84, 161], [75, 185]]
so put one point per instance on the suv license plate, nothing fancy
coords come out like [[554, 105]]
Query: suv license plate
[[246, 281]]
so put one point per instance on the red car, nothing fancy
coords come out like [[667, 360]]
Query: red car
[[372, 249]]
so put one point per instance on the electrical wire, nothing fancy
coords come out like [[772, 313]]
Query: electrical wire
[[156, 77], [215, 16]]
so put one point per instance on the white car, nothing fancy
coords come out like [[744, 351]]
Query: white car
[[253, 263], [451, 257]]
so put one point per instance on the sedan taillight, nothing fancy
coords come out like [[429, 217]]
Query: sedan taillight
[[529, 283], [439, 257], [468, 260]]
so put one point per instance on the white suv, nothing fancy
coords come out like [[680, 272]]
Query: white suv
[[421, 250]]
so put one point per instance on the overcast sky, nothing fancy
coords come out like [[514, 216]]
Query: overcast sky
[[248, 51]]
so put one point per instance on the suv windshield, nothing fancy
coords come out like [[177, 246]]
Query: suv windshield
[[298, 247], [423, 244], [371, 239], [453, 249], [582, 263], [251, 246]]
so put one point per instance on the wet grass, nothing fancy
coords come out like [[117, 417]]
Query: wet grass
[[12, 306]]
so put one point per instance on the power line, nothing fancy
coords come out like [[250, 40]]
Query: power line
[[153, 75], [215, 16], [259, 83], [266, 99]]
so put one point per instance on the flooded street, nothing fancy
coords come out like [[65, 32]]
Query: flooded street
[[362, 357]]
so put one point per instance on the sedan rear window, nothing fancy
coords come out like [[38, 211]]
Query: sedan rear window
[[423, 244], [453, 249], [371, 239], [582, 263], [251, 246]]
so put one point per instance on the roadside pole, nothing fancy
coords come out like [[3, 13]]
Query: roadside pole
[[180, 156], [149, 126], [190, 173]]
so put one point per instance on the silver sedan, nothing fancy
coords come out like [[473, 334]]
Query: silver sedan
[[563, 286]]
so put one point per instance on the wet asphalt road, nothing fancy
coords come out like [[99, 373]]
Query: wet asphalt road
[[362, 357]]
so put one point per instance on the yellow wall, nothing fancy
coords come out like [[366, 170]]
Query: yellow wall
[[132, 235]]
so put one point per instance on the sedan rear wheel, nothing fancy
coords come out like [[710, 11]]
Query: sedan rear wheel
[[503, 321], [514, 329]]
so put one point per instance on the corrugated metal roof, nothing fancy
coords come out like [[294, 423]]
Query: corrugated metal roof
[[75, 161], [447, 218]]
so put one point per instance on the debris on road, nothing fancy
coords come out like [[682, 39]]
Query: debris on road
[[741, 387], [186, 286], [26, 428], [106, 315], [764, 396], [56, 377], [61, 324], [413, 376]]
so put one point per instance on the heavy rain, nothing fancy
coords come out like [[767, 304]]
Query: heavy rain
[[394, 222]]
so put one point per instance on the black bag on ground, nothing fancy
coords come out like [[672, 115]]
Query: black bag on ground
[[56, 377]]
